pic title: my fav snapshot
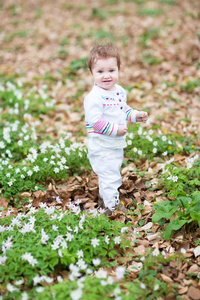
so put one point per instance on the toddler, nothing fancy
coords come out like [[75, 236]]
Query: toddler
[[106, 114]]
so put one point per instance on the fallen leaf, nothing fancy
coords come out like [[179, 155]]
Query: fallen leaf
[[166, 278], [197, 251], [194, 293]]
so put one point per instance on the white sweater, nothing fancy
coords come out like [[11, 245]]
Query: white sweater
[[104, 111]]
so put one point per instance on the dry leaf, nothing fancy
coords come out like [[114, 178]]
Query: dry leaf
[[197, 251], [194, 293], [166, 278]]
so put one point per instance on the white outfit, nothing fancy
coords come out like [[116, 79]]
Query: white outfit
[[104, 111]]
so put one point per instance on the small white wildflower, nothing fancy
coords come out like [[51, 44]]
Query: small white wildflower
[[124, 229], [54, 227], [107, 239], [164, 138], [39, 289], [143, 286], [59, 279], [155, 252], [20, 143], [120, 272], [117, 240], [96, 261], [56, 170], [95, 242], [36, 168], [76, 295], [140, 152], [101, 273], [79, 253], [154, 150], [155, 143], [156, 287]]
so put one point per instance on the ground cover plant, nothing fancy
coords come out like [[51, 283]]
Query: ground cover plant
[[55, 243]]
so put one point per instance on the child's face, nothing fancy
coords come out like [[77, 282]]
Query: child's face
[[106, 73]]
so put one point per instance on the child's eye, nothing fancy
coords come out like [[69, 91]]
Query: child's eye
[[111, 70], [100, 72]]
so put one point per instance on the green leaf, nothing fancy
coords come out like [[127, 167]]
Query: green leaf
[[175, 224]]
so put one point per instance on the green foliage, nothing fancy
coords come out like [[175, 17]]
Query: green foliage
[[185, 210], [181, 181], [29, 156], [154, 143], [149, 58], [190, 85], [148, 11], [41, 244], [151, 33]]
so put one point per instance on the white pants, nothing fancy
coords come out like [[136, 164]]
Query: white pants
[[106, 163]]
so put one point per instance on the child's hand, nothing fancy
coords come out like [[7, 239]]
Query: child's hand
[[141, 116], [121, 130]]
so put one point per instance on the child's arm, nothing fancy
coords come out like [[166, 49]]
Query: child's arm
[[141, 116], [135, 115]]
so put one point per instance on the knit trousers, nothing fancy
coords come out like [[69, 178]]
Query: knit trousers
[[106, 163]]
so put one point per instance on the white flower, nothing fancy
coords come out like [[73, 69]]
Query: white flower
[[124, 229], [155, 252], [117, 291], [19, 282], [164, 138], [22, 176], [107, 239], [44, 237], [11, 288], [143, 286], [174, 178], [95, 242], [76, 229], [60, 253], [81, 264], [76, 295], [96, 261], [39, 289], [164, 153], [156, 287], [155, 143], [154, 150], [101, 273], [129, 142], [69, 236], [49, 210], [59, 279], [54, 227], [31, 260], [79, 253], [140, 152], [29, 173], [56, 170], [117, 240], [36, 168], [55, 245], [135, 149], [8, 175], [20, 143], [3, 259], [10, 183], [63, 244], [24, 296], [120, 272]]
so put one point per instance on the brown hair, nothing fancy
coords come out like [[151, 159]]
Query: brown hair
[[103, 51]]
